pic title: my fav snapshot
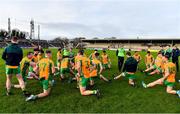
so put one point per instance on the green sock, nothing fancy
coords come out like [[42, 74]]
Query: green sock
[[94, 91]]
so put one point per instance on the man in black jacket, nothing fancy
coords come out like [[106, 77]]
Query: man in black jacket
[[129, 69], [13, 55], [175, 55]]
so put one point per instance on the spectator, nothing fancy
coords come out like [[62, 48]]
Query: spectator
[[175, 55]]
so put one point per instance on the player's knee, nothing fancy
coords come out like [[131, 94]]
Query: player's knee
[[168, 91], [82, 93]]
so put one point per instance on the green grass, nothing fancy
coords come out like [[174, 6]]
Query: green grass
[[116, 97]]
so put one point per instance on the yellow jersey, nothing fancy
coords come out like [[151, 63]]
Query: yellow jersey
[[85, 67], [158, 61], [65, 63], [25, 63], [95, 71], [171, 67], [45, 67], [149, 59], [105, 58]]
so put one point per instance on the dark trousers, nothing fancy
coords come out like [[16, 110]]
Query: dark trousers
[[175, 61], [120, 63]]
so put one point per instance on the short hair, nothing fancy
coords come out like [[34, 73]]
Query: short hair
[[128, 53], [95, 50], [159, 52], [166, 56], [96, 54], [59, 49], [14, 39], [48, 51], [29, 53], [81, 52], [36, 49], [104, 51], [148, 52]]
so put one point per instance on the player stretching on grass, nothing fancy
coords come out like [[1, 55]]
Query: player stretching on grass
[[168, 78], [157, 67], [83, 67], [25, 63], [13, 55], [149, 60], [96, 70], [129, 69], [46, 70], [106, 62]]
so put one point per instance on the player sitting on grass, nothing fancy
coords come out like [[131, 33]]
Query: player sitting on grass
[[24, 65], [96, 70], [32, 73], [46, 69], [168, 77], [129, 69], [83, 67], [157, 67], [149, 60], [106, 62]]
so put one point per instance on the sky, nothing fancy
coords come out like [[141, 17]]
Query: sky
[[94, 18]]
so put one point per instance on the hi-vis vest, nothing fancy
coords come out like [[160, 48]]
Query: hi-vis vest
[[121, 52]]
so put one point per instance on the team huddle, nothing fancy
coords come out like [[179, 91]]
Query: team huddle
[[80, 68]]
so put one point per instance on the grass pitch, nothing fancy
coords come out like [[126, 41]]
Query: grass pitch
[[117, 96]]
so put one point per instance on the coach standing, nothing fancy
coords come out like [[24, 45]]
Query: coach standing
[[175, 55], [120, 53], [13, 55]]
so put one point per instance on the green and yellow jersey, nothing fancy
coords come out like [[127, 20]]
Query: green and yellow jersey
[[45, 68], [96, 63], [149, 59], [105, 59], [65, 63], [85, 67], [25, 63], [171, 67]]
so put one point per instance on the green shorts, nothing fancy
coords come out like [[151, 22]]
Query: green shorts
[[24, 75], [64, 70], [158, 68], [106, 66], [170, 84], [94, 77], [130, 76], [75, 72], [31, 69], [46, 84], [14, 71], [83, 81]]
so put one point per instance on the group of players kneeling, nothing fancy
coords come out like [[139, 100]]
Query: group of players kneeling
[[160, 65], [84, 69], [81, 68]]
